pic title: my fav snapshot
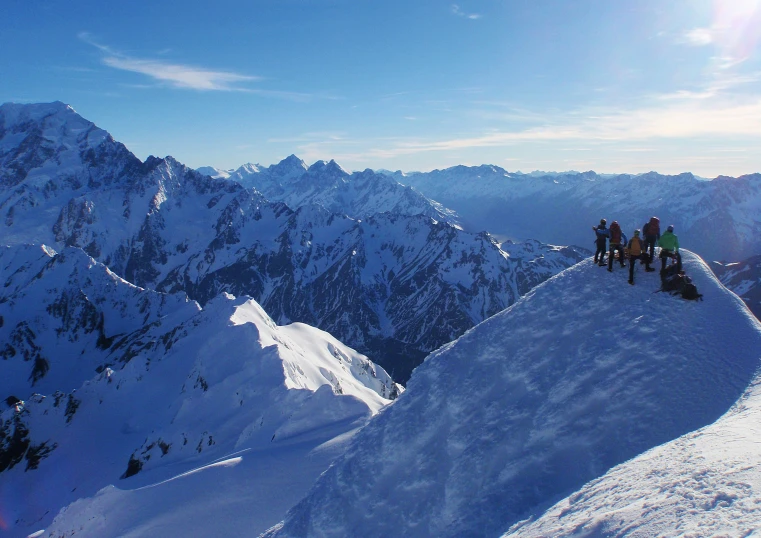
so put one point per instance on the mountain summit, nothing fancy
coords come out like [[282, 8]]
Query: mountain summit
[[582, 374]]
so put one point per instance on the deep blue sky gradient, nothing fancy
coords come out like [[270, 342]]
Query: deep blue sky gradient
[[525, 84]]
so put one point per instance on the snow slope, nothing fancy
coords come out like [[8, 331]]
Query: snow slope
[[65, 315], [706, 483], [196, 389], [582, 374]]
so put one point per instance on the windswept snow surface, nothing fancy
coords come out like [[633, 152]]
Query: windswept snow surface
[[220, 383], [707, 483], [582, 374]]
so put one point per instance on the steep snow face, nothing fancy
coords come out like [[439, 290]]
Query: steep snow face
[[743, 278], [583, 373], [225, 380], [357, 195], [62, 316], [718, 219]]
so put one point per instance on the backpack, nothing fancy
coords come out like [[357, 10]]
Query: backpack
[[690, 291], [615, 234], [646, 229], [673, 284], [654, 227], [635, 247], [679, 284]]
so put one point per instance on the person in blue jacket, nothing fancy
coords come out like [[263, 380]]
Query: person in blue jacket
[[601, 236]]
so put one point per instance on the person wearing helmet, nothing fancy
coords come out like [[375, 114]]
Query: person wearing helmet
[[601, 236], [615, 245], [669, 244], [637, 250]]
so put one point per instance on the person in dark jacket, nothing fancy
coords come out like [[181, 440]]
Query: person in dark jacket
[[652, 233], [615, 245], [669, 244], [636, 248], [601, 234]]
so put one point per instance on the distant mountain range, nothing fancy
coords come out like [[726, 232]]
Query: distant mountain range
[[718, 219], [357, 195]]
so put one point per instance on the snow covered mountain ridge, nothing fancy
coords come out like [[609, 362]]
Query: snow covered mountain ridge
[[138, 383], [394, 284], [537, 401], [743, 278], [144, 397], [358, 195]]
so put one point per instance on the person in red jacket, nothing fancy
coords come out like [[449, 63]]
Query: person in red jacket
[[615, 245], [652, 233]]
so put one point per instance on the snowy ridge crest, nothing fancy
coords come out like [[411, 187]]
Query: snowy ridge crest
[[223, 380], [535, 402]]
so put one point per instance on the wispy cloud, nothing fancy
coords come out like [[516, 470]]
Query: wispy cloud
[[180, 76], [183, 76], [632, 130], [699, 37], [460, 13]]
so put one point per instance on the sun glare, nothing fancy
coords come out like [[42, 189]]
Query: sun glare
[[737, 27]]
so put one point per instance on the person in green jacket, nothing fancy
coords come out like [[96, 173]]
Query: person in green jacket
[[669, 244]]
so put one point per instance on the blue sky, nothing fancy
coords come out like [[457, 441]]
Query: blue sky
[[614, 86]]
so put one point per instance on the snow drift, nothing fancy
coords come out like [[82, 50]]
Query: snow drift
[[582, 374]]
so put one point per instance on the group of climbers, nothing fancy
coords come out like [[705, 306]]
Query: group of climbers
[[637, 247]]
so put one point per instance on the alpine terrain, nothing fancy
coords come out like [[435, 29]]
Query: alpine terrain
[[394, 279], [539, 400], [718, 219], [111, 384], [743, 278]]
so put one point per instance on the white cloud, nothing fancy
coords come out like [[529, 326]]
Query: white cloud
[[633, 130], [175, 75], [180, 76], [460, 13], [699, 37]]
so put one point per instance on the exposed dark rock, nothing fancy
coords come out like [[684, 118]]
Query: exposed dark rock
[[37, 453], [72, 405], [134, 466]]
